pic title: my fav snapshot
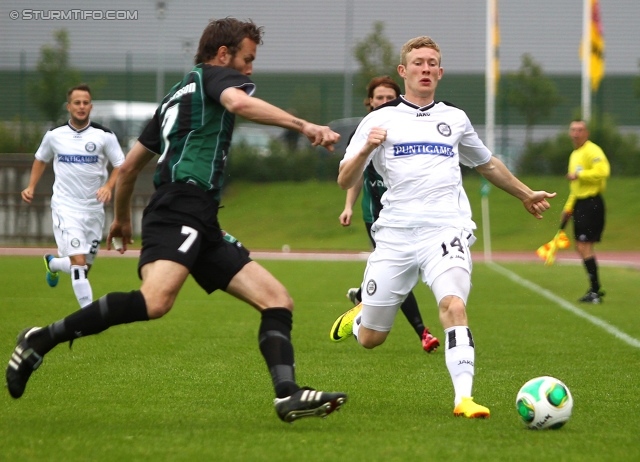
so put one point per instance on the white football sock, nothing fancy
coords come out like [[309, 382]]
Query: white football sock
[[81, 285], [356, 324], [459, 355], [60, 264]]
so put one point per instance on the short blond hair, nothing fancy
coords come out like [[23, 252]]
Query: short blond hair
[[418, 42]]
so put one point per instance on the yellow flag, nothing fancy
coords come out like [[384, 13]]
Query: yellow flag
[[597, 46], [496, 43]]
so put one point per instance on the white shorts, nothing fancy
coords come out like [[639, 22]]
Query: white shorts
[[404, 254], [78, 233]]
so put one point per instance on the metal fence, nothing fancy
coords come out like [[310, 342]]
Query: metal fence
[[316, 96], [22, 223]]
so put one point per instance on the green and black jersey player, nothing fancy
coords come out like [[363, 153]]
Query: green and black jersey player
[[190, 135]]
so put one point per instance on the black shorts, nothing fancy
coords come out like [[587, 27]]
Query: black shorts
[[588, 219], [172, 231]]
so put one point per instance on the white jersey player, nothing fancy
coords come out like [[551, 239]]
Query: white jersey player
[[80, 151], [425, 228]]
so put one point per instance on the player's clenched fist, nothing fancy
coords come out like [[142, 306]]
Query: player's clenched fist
[[377, 136], [27, 195]]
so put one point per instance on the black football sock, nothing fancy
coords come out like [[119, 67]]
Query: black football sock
[[275, 345], [410, 309], [592, 270], [110, 310]]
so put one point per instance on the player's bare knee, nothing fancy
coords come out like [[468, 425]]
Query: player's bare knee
[[370, 339], [78, 260], [453, 311], [156, 311], [157, 304], [287, 302], [271, 294], [282, 299], [369, 344]]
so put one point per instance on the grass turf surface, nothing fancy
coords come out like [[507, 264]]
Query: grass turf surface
[[193, 385], [305, 216]]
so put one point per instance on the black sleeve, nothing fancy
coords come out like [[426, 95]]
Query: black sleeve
[[217, 79], [151, 136]]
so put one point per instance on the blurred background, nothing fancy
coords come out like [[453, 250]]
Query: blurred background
[[315, 62]]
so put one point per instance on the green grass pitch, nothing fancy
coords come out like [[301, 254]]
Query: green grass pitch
[[193, 385]]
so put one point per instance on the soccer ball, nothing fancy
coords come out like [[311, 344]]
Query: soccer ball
[[544, 402]]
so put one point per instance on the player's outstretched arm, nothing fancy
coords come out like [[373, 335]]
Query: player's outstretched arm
[[499, 175], [259, 111]]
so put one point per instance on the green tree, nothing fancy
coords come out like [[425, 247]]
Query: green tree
[[532, 93], [550, 157], [376, 56], [55, 77]]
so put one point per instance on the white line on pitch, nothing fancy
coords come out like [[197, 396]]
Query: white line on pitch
[[565, 304]]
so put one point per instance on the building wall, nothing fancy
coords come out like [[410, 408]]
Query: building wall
[[304, 36], [307, 50]]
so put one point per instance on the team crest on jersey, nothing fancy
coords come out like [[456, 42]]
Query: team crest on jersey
[[75, 243], [444, 129], [371, 287], [90, 147]]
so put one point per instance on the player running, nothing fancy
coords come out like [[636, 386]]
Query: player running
[[80, 151], [380, 91], [190, 134], [425, 227]]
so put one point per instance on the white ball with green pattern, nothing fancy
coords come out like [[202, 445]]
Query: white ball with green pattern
[[544, 402]]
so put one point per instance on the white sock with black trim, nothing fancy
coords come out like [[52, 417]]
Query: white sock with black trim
[[356, 324], [459, 356], [81, 285]]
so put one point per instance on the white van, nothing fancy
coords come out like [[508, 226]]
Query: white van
[[127, 119]]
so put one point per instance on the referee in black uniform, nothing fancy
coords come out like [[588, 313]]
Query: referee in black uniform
[[588, 172], [190, 134]]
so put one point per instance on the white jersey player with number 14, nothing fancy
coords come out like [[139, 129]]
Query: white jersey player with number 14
[[425, 229], [80, 151]]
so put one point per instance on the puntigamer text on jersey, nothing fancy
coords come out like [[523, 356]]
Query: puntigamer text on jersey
[[409, 149]]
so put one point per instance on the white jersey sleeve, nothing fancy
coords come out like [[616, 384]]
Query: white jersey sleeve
[[45, 152], [472, 150], [113, 150], [358, 141]]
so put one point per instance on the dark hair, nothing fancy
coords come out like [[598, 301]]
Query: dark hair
[[81, 87], [227, 32], [384, 81]]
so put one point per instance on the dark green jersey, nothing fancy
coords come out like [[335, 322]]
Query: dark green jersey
[[191, 130], [372, 191]]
